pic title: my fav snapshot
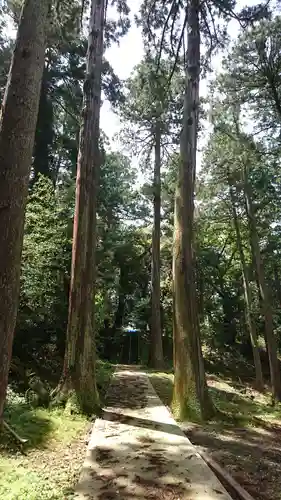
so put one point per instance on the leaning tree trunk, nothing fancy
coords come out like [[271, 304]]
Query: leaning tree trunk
[[79, 364], [247, 294], [17, 130], [264, 294], [156, 349], [190, 379]]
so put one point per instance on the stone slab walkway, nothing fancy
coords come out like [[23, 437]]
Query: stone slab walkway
[[138, 452]]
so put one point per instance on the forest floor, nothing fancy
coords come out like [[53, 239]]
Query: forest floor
[[247, 440], [48, 466]]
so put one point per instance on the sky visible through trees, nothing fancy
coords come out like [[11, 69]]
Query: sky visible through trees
[[129, 53]]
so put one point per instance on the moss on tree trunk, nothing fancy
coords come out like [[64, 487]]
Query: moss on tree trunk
[[79, 365], [190, 380]]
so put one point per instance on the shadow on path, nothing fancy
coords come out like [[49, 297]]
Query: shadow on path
[[141, 422]]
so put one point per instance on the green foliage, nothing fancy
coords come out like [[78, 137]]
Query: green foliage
[[5, 54], [163, 26], [38, 425], [152, 102], [248, 86], [45, 266], [104, 372], [230, 155], [251, 76]]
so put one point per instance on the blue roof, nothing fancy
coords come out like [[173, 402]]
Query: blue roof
[[130, 329]]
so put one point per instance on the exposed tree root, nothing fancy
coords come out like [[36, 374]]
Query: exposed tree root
[[14, 434]]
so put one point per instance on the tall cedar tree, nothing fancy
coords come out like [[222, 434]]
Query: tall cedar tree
[[187, 345], [156, 351], [190, 379], [17, 130], [79, 363], [152, 108], [234, 158]]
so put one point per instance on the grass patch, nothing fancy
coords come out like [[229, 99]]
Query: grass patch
[[49, 466], [22, 482], [104, 372], [30, 423], [45, 470], [241, 404]]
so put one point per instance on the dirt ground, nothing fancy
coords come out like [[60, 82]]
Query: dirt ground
[[248, 443], [251, 455]]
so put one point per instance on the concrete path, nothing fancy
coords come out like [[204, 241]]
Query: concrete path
[[138, 452]]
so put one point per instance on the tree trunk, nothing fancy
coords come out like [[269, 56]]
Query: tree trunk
[[79, 364], [267, 311], [277, 283], [247, 294], [120, 311], [156, 354], [184, 395], [190, 379], [116, 332], [44, 134], [17, 130], [229, 313]]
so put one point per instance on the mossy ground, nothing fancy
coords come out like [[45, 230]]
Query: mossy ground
[[48, 466]]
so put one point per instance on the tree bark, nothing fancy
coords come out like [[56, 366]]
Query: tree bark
[[79, 365], [190, 379], [17, 130], [229, 326], [156, 354], [44, 134], [184, 394], [264, 294], [277, 282], [120, 311], [247, 293]]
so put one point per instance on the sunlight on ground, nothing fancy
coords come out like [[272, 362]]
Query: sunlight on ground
[[49, 465], [245, 437], [52, 459], [239, 403], [49, 468]]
